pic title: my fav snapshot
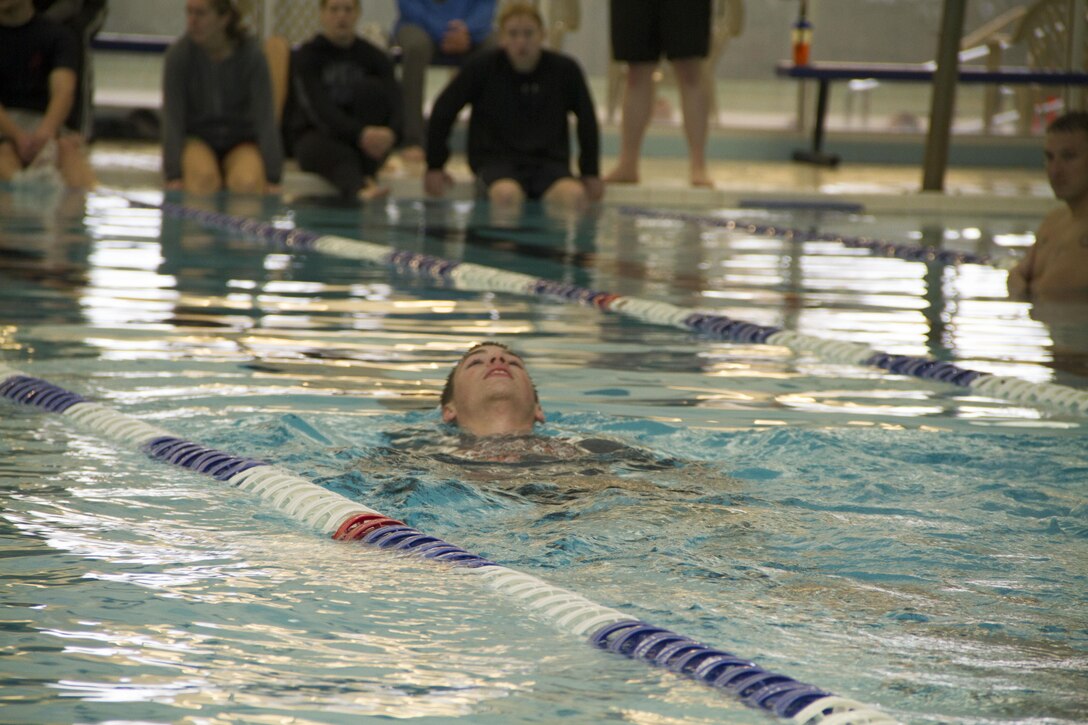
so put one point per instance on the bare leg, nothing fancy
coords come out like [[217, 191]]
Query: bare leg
[[638, 99], [568, 192], [505, 192], [243, 168], [73, 164], [200, 168], [696, 106]]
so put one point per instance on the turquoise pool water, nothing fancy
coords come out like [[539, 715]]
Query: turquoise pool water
[[906, 543]]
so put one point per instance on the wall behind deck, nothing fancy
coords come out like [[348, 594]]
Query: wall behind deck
[[859, 30]]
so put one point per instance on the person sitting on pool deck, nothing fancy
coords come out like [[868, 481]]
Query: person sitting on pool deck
[[219, 119], [346, 111], [1056, 266], [518, 135], [38, 60]]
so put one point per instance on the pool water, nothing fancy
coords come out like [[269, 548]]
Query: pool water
[[906, 543]]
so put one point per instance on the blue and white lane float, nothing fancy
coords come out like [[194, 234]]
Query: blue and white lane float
[[347, 520], [909, 252], [469, 276]]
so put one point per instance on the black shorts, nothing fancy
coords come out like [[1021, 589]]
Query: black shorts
[[222, 144], [644, 30], [534, 177]]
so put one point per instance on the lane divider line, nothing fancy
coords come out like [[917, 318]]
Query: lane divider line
[[470, 276], [346, 520]]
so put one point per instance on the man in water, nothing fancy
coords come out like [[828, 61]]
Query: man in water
[[489, 392], [492, 400], [1056, 266]]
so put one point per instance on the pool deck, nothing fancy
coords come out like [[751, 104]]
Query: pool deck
[[875, 187]]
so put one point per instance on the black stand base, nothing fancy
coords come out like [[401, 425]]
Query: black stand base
[[819, 158]]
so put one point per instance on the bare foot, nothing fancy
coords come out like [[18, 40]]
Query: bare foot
[[702, 181], [372, 191], [620, 175], [413, 155]]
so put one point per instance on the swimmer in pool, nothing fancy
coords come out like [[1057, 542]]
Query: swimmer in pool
[[490, 397]]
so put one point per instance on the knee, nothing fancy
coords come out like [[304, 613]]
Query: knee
[[202, 181], [246, 181], [640, 74], [689, 72], [567, 192], [505, 192]]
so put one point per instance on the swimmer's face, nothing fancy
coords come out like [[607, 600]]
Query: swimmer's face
[[1066, 156], [491, 376]]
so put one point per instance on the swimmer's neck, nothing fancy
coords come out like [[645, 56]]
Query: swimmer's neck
[[501, 418], [495, 427]]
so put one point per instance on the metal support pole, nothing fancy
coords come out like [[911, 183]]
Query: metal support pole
[[1078, 59], [944, 95]]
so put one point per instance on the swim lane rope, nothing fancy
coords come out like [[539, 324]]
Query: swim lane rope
[[470, 276], [346, 520], [909, 252]]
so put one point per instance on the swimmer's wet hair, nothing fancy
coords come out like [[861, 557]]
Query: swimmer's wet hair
[[447, 391], [1069, 122]]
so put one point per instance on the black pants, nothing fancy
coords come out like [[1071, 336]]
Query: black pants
[[345, 167]]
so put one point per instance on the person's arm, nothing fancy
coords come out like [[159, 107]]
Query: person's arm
[[314, 100], [1019, 282], [62, 94], [383, 67], [449, 103], [589, 136], [8, 127], [173, 113], [263, 108]]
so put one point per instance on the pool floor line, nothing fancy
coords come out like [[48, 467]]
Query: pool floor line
[[469, 276], [347, 520]]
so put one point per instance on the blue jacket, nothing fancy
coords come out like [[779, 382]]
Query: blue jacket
[[434, 16]]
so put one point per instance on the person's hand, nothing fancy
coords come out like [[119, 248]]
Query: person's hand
[[29, 145], [594, 188], [456, 40], [376, 141], [436, 181]]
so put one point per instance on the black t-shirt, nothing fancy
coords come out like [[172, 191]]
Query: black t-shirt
[[517, 116], [28, 54]]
